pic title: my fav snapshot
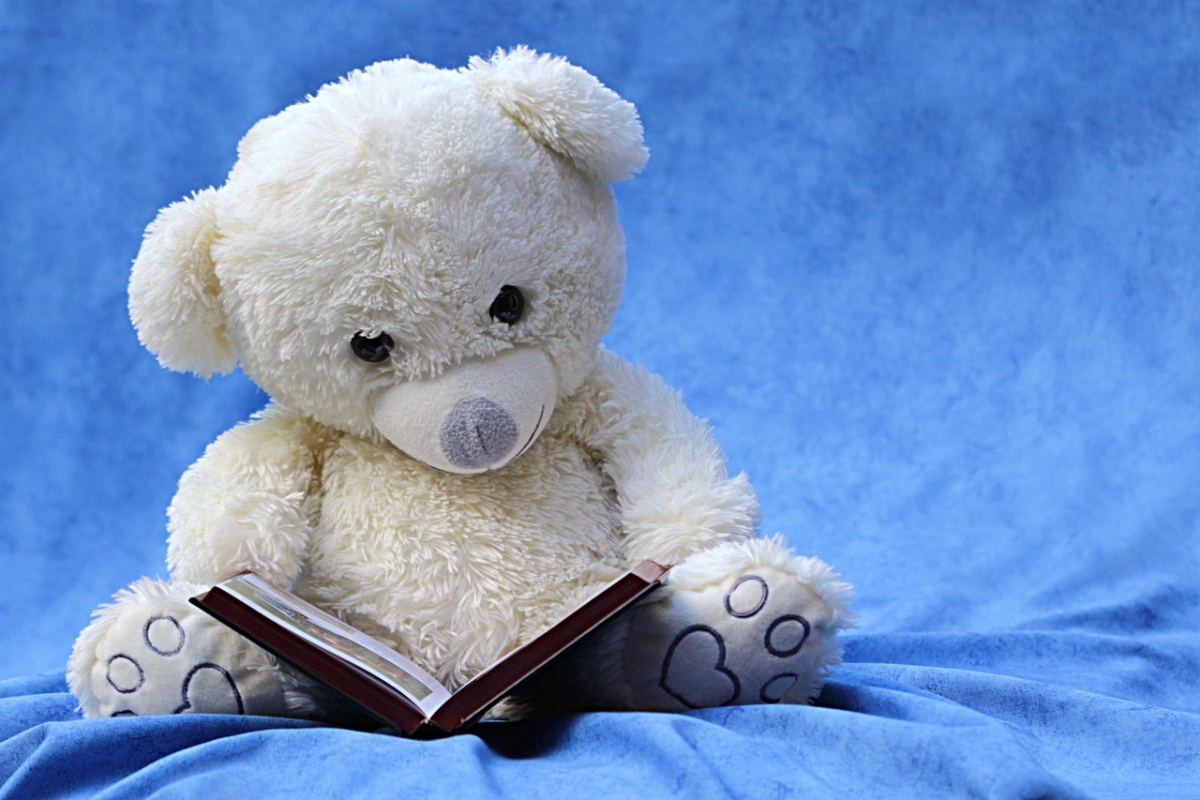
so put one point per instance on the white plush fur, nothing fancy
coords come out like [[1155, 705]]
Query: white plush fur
[[173, 291], [246, 504], [400, 200], [768, 553], [567, 110]]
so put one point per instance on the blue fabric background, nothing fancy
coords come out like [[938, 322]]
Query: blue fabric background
[[930, 269]]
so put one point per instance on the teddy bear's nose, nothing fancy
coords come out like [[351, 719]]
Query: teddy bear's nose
[[477, 433]]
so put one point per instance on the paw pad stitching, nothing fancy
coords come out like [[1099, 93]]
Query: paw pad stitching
[[171, 642], [772, 649], [767, 698], [720, 666], [178, 628], [762, 600], [187, 683], [108, 676]]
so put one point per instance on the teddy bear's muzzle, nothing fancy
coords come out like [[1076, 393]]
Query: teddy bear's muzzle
[[475, 417], [476, 433]]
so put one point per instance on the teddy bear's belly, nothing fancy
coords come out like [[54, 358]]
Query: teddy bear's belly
[[454, 570]]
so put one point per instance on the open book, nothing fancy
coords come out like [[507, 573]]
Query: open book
[[384, 683]]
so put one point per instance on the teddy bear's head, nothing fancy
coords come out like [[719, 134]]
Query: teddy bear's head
[[413, 254]]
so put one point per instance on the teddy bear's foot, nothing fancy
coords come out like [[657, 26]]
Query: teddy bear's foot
[[151, 652], [747, 622]]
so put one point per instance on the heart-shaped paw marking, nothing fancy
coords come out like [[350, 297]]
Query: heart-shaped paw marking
[[214, 683], [758, 638], [694, 671]]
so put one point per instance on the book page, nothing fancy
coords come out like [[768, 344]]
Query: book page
[[334, 636], [482, 691]]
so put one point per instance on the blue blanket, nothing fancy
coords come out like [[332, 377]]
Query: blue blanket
[[932, 271]]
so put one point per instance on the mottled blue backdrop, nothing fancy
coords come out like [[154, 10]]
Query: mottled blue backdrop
[[929, 268]]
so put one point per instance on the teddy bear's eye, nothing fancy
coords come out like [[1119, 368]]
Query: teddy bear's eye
[[372, 350], [509, 306]]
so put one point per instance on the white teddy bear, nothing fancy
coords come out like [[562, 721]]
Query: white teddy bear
[[417, 265]]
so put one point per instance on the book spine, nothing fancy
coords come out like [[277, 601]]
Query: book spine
[[478, 695]]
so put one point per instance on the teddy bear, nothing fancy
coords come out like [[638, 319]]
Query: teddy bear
[[417, 265]]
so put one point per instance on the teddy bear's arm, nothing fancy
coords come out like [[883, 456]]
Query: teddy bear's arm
[[675, 495], [248, 502]]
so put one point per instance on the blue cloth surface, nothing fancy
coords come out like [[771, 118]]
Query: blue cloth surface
[[931, 269]]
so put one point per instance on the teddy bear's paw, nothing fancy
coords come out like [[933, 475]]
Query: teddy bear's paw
[[150, 652], [741, 623]]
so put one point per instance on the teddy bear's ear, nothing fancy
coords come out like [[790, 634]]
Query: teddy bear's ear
[[566, 109], [173, 291]]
